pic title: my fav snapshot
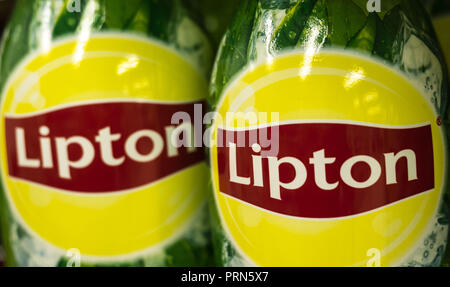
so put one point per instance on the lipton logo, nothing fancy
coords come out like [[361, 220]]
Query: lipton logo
[[318, 174], [99, 147]]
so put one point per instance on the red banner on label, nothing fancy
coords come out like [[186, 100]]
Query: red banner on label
[[102, 147], [325, 170]]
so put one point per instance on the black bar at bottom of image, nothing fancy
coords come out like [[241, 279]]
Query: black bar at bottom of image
[[192, 277]]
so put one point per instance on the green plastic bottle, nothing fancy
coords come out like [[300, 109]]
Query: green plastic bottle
[[440, 12], [329, 136], [5, 9], [90, 170]]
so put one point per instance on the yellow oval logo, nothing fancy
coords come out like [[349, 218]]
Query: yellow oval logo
[[114, 81], [326, 221]]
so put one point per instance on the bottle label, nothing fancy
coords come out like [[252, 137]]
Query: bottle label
[[90, 157], [322, 176], [348, 172], [127, 141]]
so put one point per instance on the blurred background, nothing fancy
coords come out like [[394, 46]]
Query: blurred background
[[5, 9]]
